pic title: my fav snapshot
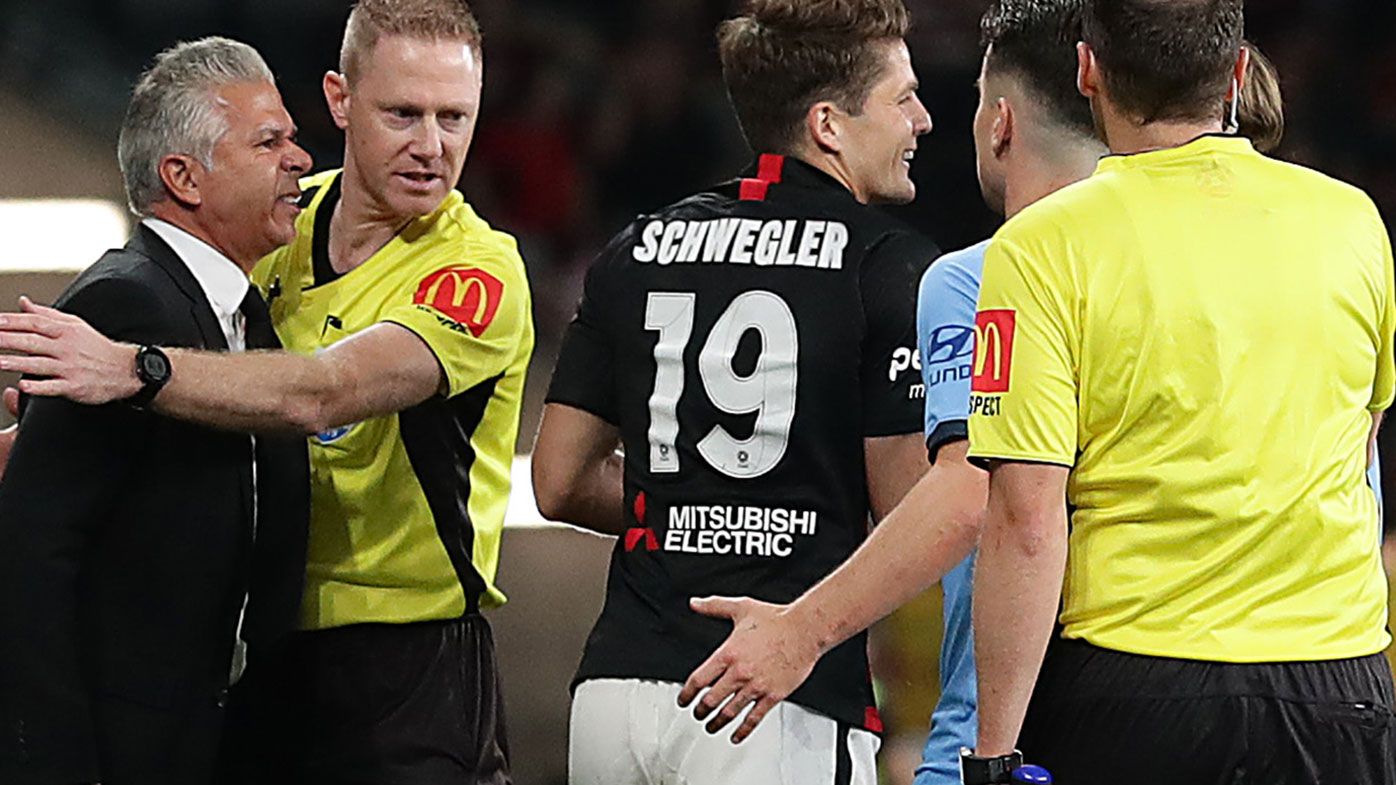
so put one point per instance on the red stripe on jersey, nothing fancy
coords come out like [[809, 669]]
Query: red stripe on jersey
[[769, 167], [753, 190]]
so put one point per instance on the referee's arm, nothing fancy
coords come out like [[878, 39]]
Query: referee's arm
[[1017, 590], [383, 369]]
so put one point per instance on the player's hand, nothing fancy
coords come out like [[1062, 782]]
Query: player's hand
[[768, 655], [80, 363]]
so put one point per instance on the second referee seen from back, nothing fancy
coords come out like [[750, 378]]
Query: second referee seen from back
[[1192, 349]]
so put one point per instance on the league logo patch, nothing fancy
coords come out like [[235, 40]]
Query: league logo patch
[[333, 434], [467, 296], [993, 350]]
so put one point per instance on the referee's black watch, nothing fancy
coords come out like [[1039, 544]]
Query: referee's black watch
[[153, 370], [975, 770]]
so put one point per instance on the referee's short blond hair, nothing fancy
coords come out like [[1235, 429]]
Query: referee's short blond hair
[[449, 20]]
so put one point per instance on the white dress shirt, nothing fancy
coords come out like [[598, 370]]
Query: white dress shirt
[[223, 282]]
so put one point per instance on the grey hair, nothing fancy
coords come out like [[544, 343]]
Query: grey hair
[[174, 111]]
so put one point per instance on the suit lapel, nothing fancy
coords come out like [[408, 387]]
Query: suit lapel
[[147, 242]]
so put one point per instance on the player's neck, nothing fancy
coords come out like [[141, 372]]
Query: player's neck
[[833, 166], [359, 227], [1043, 176], [1125, 136]]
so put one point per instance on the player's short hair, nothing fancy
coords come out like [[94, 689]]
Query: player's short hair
[[447, 20], [1034, 41], [174, 111], [1166, 59], [782, 56], [1260, 112]]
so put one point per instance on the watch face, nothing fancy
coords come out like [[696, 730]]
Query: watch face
[[154, 365]]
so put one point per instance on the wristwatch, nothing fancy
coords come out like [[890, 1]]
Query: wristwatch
[[975, 770], [153, 370]]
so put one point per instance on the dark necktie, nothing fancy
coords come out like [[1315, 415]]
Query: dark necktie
[[282, 505], [257, 322]]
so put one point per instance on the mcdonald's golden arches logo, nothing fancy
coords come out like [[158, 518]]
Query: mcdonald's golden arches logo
[[993, 350], [466, 295]]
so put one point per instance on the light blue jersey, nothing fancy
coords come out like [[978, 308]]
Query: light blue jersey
[[945, 336], [1374, 480]]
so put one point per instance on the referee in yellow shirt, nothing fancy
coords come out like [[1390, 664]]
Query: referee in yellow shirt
[[1189, 351]]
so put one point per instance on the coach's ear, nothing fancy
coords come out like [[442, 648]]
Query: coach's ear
[[336, 88], [181, 174]]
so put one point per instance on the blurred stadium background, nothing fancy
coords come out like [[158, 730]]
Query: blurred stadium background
[[594, 110]]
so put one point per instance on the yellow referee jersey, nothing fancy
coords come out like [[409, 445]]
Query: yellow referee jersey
[[1202, 334], [406, 510]]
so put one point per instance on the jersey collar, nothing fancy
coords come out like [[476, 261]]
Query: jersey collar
[[1204, 146], [772, 169]]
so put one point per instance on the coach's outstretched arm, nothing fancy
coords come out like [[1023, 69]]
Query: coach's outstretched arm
[[383, 369], [1017, 590], [773, 648]]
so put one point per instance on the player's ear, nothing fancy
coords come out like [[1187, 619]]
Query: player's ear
[[1087, 71], [823, 122], [336, 87], [1001, 135], [181, 175]]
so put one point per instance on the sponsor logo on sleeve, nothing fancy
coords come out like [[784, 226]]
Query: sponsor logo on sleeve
[[993, 350], [949, 354], [468, 296]]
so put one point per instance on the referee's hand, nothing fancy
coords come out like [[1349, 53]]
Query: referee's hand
[[78, 362], [769, 654]]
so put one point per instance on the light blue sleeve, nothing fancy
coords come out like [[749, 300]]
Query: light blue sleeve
[[1374, 480], [945, 339]]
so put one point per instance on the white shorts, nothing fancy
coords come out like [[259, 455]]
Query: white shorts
[[632, 732]]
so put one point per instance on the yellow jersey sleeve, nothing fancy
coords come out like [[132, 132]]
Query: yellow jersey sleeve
[[1384, 387], [1023, 389], [472, 316]]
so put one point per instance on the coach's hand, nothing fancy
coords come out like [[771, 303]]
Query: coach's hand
[[768, 655], [79, 363]]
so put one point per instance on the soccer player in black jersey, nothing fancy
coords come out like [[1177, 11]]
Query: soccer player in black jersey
[[750, 350]]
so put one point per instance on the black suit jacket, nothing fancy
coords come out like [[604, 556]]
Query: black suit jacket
[[126, 546]]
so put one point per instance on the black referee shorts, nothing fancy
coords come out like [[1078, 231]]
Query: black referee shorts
[[1102, 717], [372, 704]]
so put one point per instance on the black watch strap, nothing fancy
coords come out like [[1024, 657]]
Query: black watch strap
[[153, 370], [988, 771]]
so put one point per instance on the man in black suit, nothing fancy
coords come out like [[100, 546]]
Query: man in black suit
[[141, 558]]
